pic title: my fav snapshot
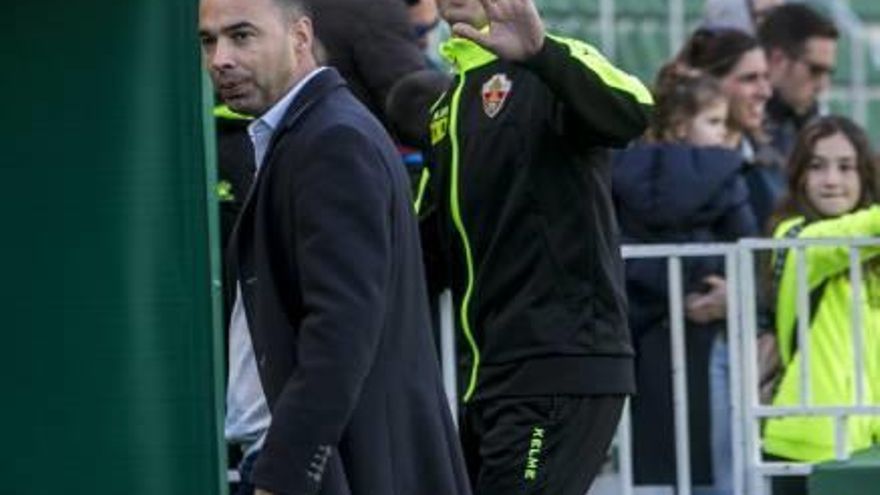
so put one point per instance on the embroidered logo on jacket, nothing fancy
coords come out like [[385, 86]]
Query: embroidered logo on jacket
[[533, 458], [439, 125], [495, 92]]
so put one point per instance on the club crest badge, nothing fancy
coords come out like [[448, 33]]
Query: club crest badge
[[495, 92]]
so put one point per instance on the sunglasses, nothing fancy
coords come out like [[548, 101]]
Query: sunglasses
[[816, 70]]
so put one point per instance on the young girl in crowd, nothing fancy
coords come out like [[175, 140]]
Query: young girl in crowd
[[833, 193], [679, 185]]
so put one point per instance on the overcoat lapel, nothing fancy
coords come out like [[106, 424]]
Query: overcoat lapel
[[314, 91]]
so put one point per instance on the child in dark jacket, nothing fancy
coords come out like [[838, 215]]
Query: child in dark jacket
[[680, 186]]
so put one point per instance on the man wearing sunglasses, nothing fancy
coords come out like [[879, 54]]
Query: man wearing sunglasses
[[801, 45]]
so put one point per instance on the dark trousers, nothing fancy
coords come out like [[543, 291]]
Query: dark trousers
[[547, 445]]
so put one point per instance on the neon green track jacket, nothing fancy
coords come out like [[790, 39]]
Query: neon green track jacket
[[832, 375], [526, 212]]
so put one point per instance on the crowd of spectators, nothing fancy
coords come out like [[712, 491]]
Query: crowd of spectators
[[783, 169]]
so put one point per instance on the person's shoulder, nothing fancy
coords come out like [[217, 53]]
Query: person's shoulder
[[684, 157], [786, 224], [344, 122], [344, 109]]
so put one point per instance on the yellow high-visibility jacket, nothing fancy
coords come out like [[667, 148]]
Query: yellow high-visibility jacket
[[832, 375]]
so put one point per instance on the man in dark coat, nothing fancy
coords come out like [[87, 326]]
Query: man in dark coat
[[334, 386]]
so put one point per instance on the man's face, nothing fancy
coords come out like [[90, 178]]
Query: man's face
[[254, 50], [467, 11], [800, 80], [423, 17], [748, 88]]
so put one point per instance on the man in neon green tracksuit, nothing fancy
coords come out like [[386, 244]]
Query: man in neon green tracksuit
[[521, 142], [832, 374]]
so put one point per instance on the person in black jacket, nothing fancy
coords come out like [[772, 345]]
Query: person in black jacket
[[371, 43], [521, 142], [334, 385], [235, 172]]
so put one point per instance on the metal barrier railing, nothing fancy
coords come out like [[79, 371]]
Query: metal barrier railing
[[750, 472], [759, 471], [674, 254]]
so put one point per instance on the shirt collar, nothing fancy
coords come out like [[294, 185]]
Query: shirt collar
[[747, 149], [464, 54]]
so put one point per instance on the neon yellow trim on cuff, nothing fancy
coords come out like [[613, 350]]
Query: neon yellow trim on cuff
[[607, 72]]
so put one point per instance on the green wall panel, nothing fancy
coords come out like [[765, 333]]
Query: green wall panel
[[112, 374]]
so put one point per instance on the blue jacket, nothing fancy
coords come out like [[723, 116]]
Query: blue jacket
[[668, 193], [673, 194]]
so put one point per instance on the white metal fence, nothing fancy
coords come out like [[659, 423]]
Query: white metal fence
[[757, 471], [750, 472]]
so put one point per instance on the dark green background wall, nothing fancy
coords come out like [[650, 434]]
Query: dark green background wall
[[110, 352]]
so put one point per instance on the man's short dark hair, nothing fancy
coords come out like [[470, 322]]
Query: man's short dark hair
[[298, 8], [789, 27], [301, 8]]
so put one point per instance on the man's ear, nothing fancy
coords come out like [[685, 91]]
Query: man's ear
[[303, 35]]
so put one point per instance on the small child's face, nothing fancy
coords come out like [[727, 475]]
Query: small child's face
[[833, 185], [709, 126]]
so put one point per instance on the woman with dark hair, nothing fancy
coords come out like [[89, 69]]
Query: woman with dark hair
[[833, 192], [737, 60]]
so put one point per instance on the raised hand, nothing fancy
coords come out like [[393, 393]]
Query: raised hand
[[515, 29]]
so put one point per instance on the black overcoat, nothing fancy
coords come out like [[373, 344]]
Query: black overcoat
[[328, 257]]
